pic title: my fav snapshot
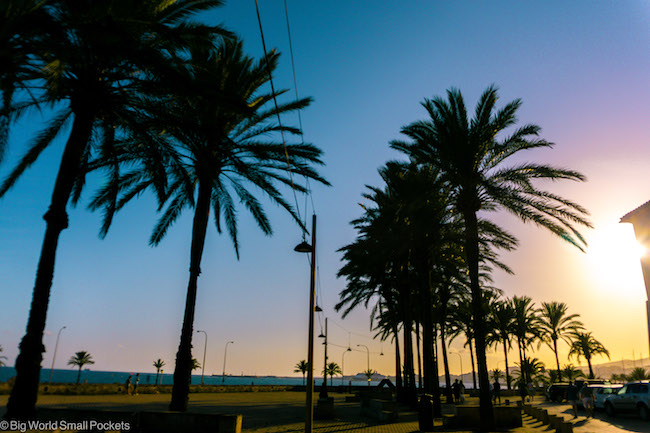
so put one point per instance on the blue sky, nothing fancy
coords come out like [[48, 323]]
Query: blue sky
[[581, 69]]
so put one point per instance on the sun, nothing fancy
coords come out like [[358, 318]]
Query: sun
[[614, 255]]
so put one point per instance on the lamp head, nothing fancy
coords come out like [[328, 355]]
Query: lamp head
[[303, 247]]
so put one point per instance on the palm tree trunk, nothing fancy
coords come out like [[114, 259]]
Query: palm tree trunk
[[409, 374], [303, 379], [183, 368], [471, 358], [22, 401], [430, 370], [505, 354], [445, 361], [591, 370], [557, 361], [398, 365], [472, 256], [79, 375]]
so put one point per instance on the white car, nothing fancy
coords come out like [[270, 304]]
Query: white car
[[601, 392]]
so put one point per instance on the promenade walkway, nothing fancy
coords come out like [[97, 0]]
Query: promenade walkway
[[283, 412]]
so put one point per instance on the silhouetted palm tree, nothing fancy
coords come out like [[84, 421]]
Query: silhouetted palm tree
[[586, 346], [570, 372], [302, 367], [158, 364], [526, 325], [369, 373], [557, 324], [217, 144], [639, 373], [497, 374], [532, 370], [471, 157], [79, 360], [195, 364], [332, 370], [97, 63], [502, 317]]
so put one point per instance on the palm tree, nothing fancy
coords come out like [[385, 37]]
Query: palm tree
[[497, 374], [557, 324], [79, 360], [369, 373], [158, 364], [586, 346], [639, 373], [502, 320], [195, 364], [302, 367], [332, 370], [570, 372], [96, 65], [532, 370], [471, 157], [526, 325], [217, 145], [2, 358]]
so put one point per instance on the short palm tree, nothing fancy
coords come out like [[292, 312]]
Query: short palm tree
[[79, 360], [502, 320], [570, 372], [96, 64], [302, 367], [333, 369], [586, 346], [195, 364], [496, 375], [369, 373], [531, 370], [639, 373], [217, 145], [158, 364], [526, 326], [472, 154], [557, 324]]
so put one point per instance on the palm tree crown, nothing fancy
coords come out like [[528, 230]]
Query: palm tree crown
[[557, 324], [586, 346], [79, 360]]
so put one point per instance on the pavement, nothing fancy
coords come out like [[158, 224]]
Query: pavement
[[283, 412]]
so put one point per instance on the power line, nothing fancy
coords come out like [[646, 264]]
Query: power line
[[277, 112]]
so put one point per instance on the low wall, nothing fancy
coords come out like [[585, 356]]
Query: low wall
[[116, 388]]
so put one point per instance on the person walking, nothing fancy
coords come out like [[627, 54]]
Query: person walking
[[496, 392], [455, 388], [137, 381], [127, 386], [587, 396], [572, 398]]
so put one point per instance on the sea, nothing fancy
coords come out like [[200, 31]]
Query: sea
[[92, 376]]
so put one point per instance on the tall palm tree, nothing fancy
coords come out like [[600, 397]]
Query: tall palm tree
[[158, 364], [586, 346], [557, 324], [332, 370], [218, 146], [302, 367], [96, 65], [471, 155], [79, 360]]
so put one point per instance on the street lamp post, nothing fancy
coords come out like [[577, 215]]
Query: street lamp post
[[323, 390], [205, 348], [343, 364], [368, 359], [304, 247], [56, 346], [225, 352]]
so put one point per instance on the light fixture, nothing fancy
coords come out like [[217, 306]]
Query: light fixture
[[318, 309], [303, 247]]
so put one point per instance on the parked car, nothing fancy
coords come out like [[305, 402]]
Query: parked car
[[631, 397], [557, 392], [601, 392]]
